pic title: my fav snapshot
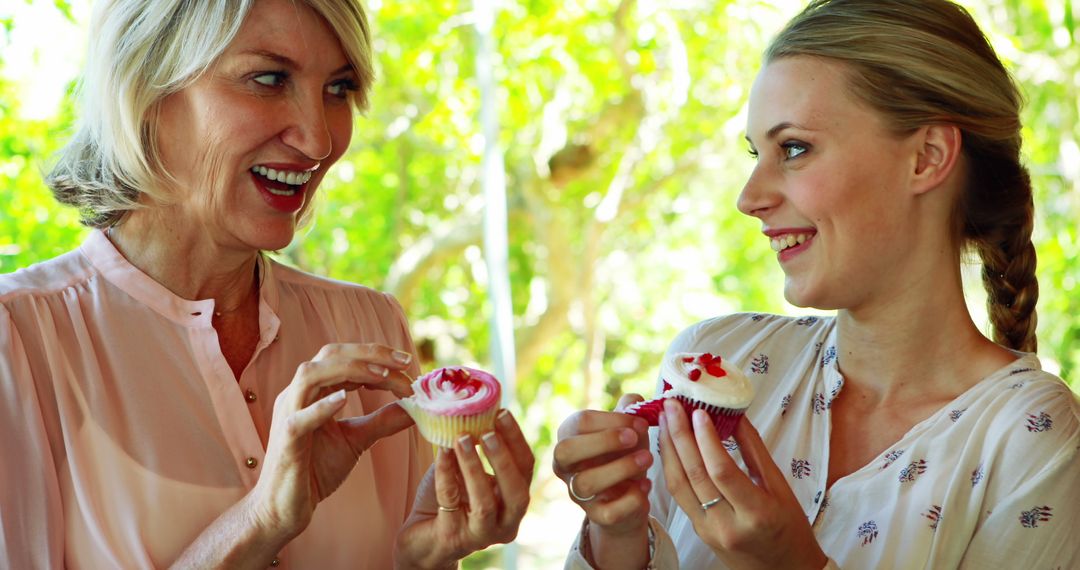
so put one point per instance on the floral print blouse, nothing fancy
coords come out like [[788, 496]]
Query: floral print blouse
[[992, 480]]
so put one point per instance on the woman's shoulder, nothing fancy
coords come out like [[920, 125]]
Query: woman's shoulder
[[45, 277], [734, 332], [332, 291], [1022, 398]]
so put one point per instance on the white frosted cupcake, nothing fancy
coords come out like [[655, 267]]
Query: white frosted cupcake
[[701, 381], [453, 401]]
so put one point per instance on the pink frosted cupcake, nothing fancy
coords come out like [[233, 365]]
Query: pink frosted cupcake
[[701, 381], [453, 401]]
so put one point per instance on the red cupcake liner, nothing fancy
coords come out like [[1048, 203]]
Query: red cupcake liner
[[724, 419]]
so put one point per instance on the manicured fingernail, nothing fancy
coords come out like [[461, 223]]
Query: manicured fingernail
[[465, 442], [491, 441], [670, 406], [379, 370], [642, 458], [337, 397], [641, 425], [645, 485], [505, 419], [627, 437], [701, 418], [402, 356]]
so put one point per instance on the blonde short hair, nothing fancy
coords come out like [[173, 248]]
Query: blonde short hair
[[140, 52]]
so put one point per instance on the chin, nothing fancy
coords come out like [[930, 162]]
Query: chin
[[270, 237], [805, 297]]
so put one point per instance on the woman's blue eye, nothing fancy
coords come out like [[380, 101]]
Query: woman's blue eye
[[272, 79], [342, 88], [793, 149]]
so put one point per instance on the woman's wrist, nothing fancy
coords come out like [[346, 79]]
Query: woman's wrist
[[242, 537], [268, 528], [605, 547], [404, 563]]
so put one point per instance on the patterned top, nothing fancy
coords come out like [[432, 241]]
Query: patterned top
[[988, 481], [124, 433]]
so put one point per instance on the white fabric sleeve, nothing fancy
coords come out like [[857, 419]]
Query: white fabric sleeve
[[31, 513], [664, 556], [1036, 525]]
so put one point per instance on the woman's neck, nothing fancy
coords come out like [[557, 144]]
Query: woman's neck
[[920, 343], [186, 261]]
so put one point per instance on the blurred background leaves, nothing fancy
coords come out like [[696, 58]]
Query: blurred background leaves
[[622, 124]]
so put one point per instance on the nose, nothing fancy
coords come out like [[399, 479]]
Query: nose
[[308, 130], [757, 198]]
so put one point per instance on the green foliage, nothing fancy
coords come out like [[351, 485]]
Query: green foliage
[[622, 132]]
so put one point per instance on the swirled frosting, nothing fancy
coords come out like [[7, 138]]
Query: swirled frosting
[[708, 379], [456, 391]]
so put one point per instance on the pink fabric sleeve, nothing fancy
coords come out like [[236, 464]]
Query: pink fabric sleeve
[[31, 519], [421, 454]]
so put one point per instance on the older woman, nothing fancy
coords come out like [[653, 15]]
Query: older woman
[[171, 396], [893, 434]]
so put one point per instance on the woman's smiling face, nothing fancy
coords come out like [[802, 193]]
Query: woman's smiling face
[[249, 141], [829, 184]]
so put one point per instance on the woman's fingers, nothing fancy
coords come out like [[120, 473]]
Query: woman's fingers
[[626, 400], [759, 461], [632, 502], [483, 506], [674, 475], [349, 366], [303, 422], [601, 439], [516, 444], [342, 369], [448, 492], [724, 473], [596, 480], [365, 431], [513, 484], [378, 354], [686, 449]]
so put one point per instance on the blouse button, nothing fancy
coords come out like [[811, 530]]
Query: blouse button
[[250, 396], [251, 462], [275, 562]]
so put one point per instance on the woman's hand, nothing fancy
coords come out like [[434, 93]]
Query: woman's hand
[[309, 454], [757, 522], [460, 508], [603, 458]]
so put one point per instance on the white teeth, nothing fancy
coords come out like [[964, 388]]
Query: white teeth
[[292, 178], [282, 192], [790, 240]]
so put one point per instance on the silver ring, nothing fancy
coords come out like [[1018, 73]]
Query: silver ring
[[574, 494], [449, 509], [710, 504]]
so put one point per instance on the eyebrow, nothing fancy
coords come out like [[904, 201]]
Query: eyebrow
[[287, 61], [771, 133]]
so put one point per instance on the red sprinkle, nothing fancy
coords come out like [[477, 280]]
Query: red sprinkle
[[715, 370], [695, 374], [688, 359]]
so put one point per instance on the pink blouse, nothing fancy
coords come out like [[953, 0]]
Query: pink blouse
[[124, 434]]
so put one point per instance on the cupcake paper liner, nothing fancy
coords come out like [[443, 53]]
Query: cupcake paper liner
[[725, 419], [443, 431]]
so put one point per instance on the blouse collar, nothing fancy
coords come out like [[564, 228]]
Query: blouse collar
[[117, 270]]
